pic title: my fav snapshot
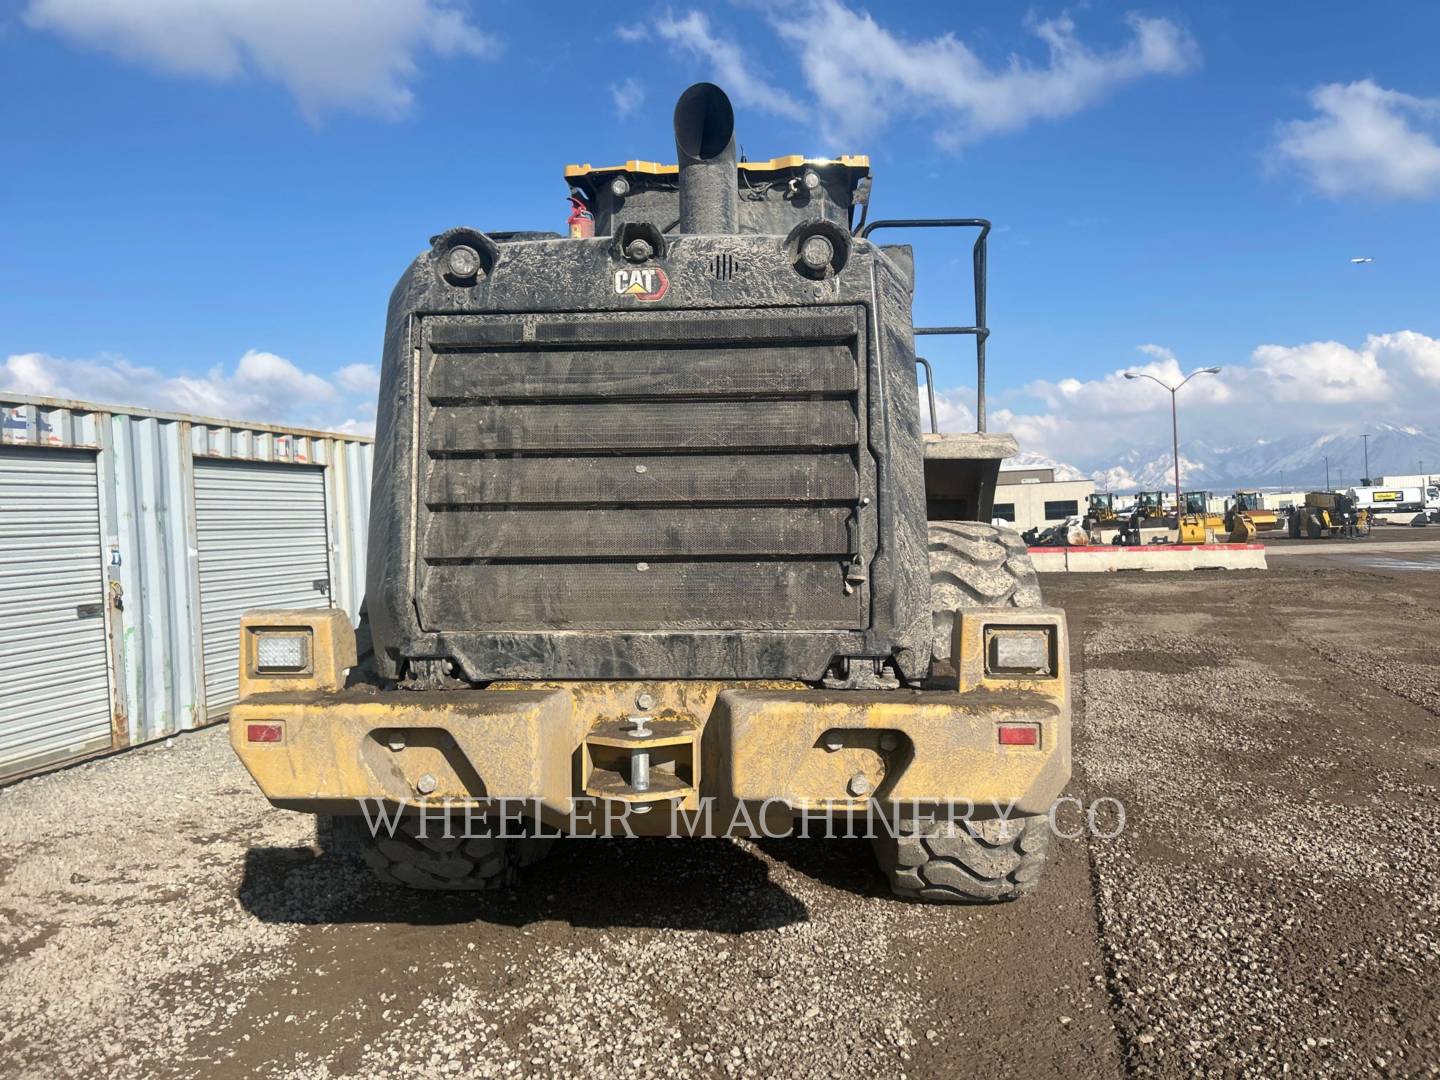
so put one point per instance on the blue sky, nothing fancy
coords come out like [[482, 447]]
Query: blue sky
[[206, 210]]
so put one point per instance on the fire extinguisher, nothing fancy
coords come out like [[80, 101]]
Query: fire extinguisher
[[582, 221]]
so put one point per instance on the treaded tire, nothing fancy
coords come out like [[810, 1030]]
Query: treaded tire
[[971, 565], [434, 862], [975, 862], [975, 565]]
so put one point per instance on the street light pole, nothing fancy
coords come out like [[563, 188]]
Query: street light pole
[[1174, 421], [1175, 450], [1367, 458]]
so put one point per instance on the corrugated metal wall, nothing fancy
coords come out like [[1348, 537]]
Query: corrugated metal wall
[[54, 674], [148, 555], [262, 542]]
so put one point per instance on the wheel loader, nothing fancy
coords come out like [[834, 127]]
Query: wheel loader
[[1252, 505], [1100, 514], [1151, 504], [659, 545]]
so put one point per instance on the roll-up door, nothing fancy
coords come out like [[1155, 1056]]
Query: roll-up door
[[262, 544], [54, 679]]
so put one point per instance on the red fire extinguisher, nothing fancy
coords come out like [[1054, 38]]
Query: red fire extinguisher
[[582, 221]]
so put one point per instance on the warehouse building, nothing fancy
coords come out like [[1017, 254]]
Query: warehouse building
[[131, 541], [1033, 498]]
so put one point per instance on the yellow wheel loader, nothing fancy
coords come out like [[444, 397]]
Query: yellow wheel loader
[[1151, 504], [1196, 504], [1252, 505], [659, 546]]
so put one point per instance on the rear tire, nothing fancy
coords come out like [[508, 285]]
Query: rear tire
[[974, 862], [433, 862], [975, 565]]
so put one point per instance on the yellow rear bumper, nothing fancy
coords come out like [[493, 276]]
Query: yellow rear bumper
[[554, 751], [805, 750]]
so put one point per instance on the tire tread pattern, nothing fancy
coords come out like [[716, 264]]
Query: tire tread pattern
[[975, 565], [435, 862], [966, 862]]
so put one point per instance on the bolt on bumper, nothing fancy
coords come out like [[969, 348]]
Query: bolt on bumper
[[680, 745]]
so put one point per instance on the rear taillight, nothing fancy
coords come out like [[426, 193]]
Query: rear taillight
[[1019, 734], [271, 733]]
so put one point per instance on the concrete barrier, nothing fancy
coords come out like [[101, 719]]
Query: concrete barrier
[[1048, 560], [1098, 559]]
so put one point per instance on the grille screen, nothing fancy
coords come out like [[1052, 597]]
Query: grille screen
[[670, 470]]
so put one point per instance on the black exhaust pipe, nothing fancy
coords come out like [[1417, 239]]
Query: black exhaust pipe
[[705, 146]]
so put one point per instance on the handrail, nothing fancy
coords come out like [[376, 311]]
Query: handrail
[[979, 330], [930, 389]]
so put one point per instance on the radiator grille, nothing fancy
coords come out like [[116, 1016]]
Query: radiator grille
[[670, 470]]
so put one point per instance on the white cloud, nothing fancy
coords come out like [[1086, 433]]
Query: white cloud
[[1407, 349], [861, 73], [728, 64], [262, 386], [627, 96], [1366, 140], [1279, 392], [1115, 395], [355, 426], [1323, 371], [359, 378], [954, 409], [351, 54]]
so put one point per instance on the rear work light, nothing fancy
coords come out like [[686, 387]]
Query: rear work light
[[282, 652], [1020, 651], [265, 733], [1019, 734]]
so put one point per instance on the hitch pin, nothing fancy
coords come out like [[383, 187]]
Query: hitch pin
[[639, 759]]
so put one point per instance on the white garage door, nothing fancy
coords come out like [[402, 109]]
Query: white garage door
[[262, 544], [54, 685]]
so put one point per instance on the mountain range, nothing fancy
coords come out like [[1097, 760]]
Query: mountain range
[[1295, 462]]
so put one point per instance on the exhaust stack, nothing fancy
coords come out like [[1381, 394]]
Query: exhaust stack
[[705, 148]]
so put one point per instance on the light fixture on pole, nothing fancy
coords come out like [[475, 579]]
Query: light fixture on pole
[[1174, 420]]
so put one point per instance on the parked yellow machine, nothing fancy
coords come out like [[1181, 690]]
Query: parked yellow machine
[[1100, 509], [1326, 514], [1196, 504], [1252, 504], [656, 532], [1151, 504]]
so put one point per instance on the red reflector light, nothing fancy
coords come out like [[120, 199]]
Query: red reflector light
[[1019, 735], [264, 732]]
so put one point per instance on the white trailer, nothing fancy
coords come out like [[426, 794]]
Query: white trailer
[[1401, 501]]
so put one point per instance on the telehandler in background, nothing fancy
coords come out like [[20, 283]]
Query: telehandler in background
[[1327, 514], [657, 537]]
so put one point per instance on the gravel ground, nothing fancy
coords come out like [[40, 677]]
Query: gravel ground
[[1270, 907], [1274, 905]]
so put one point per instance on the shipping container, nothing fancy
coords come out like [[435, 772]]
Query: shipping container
[[131, 541]]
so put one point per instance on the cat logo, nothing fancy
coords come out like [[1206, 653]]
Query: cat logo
[[646, 285]]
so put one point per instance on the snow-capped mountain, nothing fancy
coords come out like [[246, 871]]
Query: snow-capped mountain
[[1295, 461], [1029, 460]]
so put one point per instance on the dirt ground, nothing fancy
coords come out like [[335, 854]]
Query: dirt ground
[[1271, 906]]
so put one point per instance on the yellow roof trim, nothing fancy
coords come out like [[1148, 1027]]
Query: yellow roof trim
[[655, 168]]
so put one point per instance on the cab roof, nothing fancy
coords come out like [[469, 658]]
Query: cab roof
[[859, 163]]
